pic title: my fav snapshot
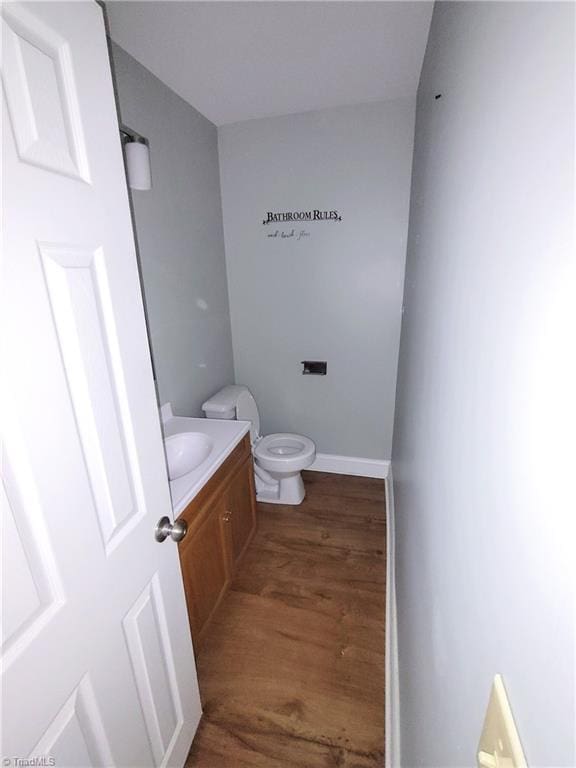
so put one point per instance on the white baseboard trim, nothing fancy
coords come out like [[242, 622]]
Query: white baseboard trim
[[392, 695], [350, 465]]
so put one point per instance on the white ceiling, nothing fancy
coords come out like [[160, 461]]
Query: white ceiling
[[242, 60]]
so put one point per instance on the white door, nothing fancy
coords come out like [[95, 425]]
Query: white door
[[97, 661]]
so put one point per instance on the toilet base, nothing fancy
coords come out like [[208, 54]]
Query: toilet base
[[289, 489]]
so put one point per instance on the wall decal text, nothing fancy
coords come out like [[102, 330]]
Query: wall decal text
[[315, 215], [284, 235]]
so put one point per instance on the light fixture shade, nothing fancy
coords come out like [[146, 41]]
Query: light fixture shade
[[138, 165]]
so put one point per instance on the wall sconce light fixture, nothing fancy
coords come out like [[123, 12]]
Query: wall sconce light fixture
[[137, 156]]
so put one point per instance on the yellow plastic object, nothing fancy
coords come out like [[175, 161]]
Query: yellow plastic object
[[499, 745]]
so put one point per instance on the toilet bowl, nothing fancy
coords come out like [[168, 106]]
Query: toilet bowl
[[283, 456], [278, 458]]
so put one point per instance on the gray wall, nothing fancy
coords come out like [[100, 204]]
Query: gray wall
[[335, 295], [180, 239], [484, 434]]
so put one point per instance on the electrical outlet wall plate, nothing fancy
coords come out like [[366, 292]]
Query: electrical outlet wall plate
[[499, 745]]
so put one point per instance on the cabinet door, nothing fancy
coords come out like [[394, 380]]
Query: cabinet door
[[205, 568], [241, 506]]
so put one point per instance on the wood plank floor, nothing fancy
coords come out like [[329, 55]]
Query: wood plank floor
[[292, 668]]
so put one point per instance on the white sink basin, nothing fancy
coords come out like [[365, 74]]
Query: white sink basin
[[186, 451]]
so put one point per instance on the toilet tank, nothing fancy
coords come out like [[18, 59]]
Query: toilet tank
[[222, 405]]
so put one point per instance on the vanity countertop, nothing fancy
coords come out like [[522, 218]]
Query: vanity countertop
[[225, 436]]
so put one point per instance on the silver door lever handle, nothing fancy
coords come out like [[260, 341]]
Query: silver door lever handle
[[166, 528]]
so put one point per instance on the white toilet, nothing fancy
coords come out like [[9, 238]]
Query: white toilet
[[278, 458]]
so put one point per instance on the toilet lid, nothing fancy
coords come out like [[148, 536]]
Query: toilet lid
[[247, 410]]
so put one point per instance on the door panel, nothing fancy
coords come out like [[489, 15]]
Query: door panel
[[97, 661], [40, 88], [77, 285], [148, 639], [76, 735], [26, 554]]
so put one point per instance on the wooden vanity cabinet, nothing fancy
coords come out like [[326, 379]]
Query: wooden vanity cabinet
[[221, 522]]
